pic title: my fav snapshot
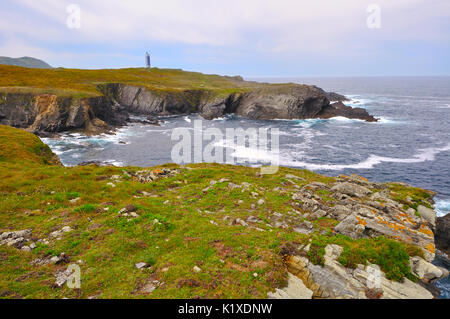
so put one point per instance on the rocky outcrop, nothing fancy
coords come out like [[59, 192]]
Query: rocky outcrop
[[340, 109], [48, 113], [333, 97], [442, 237], [332, 280], [295, 289], [289, 101]]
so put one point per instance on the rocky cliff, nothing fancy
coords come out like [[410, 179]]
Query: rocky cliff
[[49, 113], [286, 101], [44, 114]]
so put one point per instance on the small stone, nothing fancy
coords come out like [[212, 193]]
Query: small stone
[[196, 269], [75, 200], [111, 184], [54, 259], [66, 229], [241, 222], [261, 202], [141, 265]]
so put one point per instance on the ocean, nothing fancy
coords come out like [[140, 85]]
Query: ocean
[[410, 143]]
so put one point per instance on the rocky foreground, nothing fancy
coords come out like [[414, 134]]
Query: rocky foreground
[[43, 104], [207, 231]]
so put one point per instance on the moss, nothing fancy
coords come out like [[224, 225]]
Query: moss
[[418, 196], [87, 208], [392, 256]]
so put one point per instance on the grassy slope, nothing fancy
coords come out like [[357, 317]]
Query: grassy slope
[[35, 193], [84, 82]]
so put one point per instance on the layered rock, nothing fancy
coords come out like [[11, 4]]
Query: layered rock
[[366, 210], [49, 113], [332, 280]]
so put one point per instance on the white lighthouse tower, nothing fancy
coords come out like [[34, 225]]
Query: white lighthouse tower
[[147, 60]]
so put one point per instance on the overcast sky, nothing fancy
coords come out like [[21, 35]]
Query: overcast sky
[[247, 37]]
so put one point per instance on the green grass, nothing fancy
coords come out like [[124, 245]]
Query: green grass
[[418, 196], [392, 256], [85, 83], [36, 193]]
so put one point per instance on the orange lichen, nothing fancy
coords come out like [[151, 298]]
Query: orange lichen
[[361, 221], [430, 247], [397, 227], [425, 230]]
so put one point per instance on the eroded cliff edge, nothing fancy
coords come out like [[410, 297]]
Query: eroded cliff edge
[[49, 113]]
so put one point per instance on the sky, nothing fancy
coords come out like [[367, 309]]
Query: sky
[[253, 38]]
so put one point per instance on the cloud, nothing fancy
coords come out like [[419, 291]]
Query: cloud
[[275, 29], [280, 25]]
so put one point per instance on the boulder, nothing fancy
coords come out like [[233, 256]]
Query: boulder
[[428, 214], [351, 189], [351, 227], [425, 270]]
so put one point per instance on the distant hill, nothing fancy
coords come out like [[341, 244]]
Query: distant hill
[[27, 62]]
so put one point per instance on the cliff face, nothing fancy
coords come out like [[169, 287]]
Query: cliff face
[[49, 113], [279, 102]]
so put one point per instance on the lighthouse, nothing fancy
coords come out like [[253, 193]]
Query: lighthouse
[[147, 60]]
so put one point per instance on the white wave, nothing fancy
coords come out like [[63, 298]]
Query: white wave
[[423, 155], [114, 162], [345, 119], [385, 120], [358, 101], [442, 207]]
